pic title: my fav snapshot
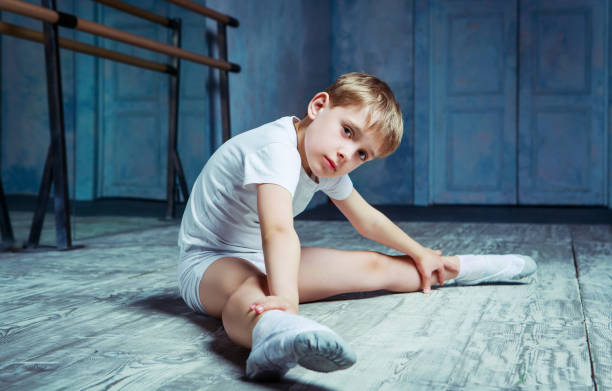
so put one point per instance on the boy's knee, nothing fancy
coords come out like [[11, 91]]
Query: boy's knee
[[375, 263], [252, 288]]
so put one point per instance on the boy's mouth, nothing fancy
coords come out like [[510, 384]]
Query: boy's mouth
[[330, 163]]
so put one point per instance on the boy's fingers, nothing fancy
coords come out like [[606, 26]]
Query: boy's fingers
[[263, 308], [440, 277], [257, 307], [423, 275], [270, 308], [426, 284], [451, 266]]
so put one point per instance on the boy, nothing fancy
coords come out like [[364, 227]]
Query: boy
[[240, 257]]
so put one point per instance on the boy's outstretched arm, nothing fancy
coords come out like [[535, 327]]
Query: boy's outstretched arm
[[281, 247], [374, 225]]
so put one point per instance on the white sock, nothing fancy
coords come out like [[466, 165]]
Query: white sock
[[282, 340], [476, 269], [275, 322]]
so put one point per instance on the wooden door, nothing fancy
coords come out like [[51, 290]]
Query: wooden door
[[562, 150], [473, 102]]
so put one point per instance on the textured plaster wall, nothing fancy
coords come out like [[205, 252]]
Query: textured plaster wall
[[24, 112], [288, 51], [376, 37], [283, 48]]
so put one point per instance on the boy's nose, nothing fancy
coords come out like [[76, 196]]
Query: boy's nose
[[346, 154], [343, 156]]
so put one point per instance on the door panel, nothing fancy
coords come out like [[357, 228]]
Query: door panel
[[473, 81], [134, 120], [561, 122]]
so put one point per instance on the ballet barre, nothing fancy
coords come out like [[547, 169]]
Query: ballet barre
[[55, 171], [70, 21], [136, 11], [207, 12], [37, 36]]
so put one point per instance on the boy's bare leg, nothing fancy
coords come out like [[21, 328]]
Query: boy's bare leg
[[327, 272], [231, 285], [279, 340], [227, 289]]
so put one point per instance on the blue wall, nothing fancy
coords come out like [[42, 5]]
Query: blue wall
[[376, 37], [282, 47], [288, 50], [24, 126]]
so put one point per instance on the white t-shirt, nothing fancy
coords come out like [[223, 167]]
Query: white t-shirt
[[221, 213]]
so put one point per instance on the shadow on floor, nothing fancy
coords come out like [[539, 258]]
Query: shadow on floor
[[221, 345]]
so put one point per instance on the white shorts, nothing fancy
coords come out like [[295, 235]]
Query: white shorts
[[192, 266]]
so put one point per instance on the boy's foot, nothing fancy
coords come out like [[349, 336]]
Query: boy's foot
[[476, 269], [282, 340]]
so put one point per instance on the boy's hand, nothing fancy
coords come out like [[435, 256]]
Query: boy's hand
[[428, 263], [268, 303]]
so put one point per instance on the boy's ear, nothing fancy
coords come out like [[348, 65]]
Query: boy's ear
[[317, 103]]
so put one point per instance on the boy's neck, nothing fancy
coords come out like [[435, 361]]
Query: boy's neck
[[301, 133]]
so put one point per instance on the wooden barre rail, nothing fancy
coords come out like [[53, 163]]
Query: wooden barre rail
[[53, 17], [200, 9], [130, 9], [36, 36], [142, 13]]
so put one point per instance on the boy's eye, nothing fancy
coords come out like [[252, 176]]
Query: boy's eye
[[363, 155], [348, 132]]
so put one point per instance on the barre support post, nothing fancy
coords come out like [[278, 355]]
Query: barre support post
[[174, 167], [41, 202], [58, 141], [224, 82], [5, 222]]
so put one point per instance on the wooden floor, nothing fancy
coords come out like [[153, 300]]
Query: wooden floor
[[108, 316]]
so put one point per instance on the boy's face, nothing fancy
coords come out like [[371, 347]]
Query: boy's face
[[337, 140]]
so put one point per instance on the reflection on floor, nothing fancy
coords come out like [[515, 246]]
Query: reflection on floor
[[108, 315]]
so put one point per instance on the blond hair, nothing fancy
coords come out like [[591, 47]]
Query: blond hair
[[384, 113]]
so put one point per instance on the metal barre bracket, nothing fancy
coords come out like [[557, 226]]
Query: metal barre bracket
[[66, 20]]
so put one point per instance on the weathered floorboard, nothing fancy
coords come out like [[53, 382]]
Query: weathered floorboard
[[594, 261], [108, 316]]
